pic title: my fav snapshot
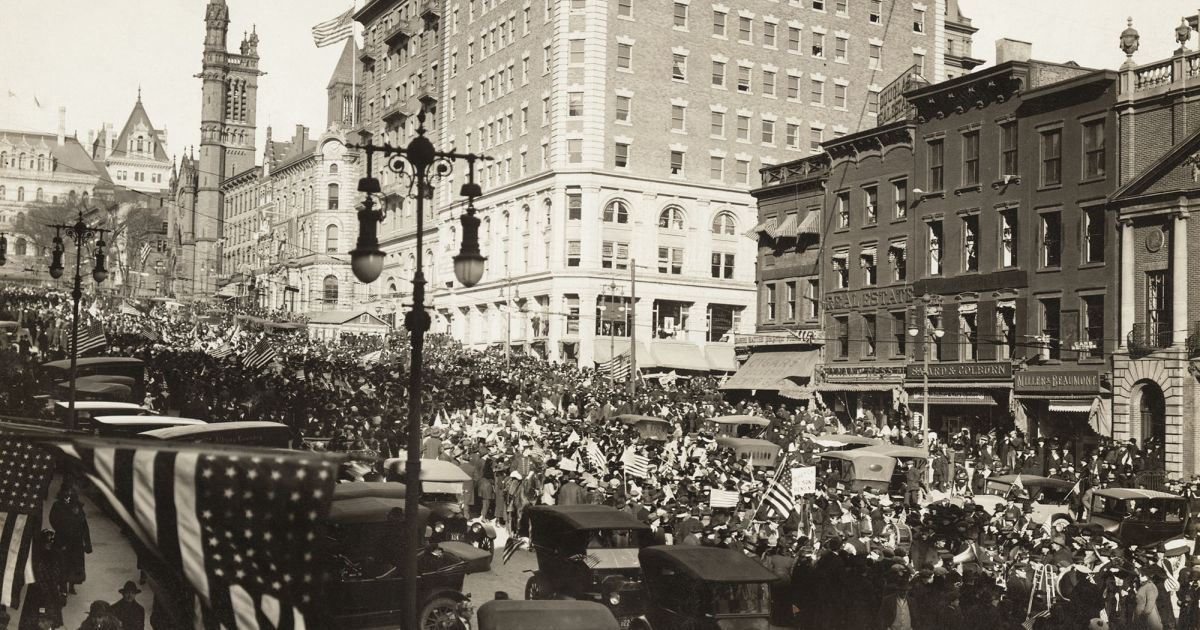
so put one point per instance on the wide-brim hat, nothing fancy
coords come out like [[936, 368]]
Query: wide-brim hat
[[130, 587]]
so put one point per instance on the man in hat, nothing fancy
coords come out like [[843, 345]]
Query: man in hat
[[130, 613]]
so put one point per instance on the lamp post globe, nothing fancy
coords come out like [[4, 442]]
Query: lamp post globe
[[367, 264], [468, 268]]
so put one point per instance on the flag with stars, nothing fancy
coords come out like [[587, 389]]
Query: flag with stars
[[779, 495], [25, 472], [91, 338], [239, 527]]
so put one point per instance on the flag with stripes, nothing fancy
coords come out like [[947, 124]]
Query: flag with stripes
[[1032, 620], [616, 368], [150, 333], [222, 350], [636, 464], [723, 498], [595, 456], [779, 495], [511, 546], [238, 527], [332, 31], [260, 355], [91, 338], [25, 472], [143, 254]]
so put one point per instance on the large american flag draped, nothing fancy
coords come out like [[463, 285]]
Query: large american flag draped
[[91, 338], [239, 527], [24, 477]]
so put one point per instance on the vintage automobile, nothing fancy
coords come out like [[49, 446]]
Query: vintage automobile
[[741, 426], [905, 456], [649, 427], [442, 488], [130, 426], [243, 433], [690, 587], [1049, 498], [88, 409], [588, 552], [856, 469], [364, 551], [56, 372], [524, 615], [1133, 516], [843, 441], [764, 454]]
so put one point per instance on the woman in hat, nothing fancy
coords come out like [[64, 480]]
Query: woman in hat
[[1145, 612], [72, 534], [44, 597]]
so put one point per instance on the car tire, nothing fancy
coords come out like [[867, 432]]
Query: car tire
[[537, 588], [440, 612]]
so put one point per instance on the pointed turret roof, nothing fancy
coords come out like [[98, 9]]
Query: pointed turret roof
[[346, 65], [139, 118]]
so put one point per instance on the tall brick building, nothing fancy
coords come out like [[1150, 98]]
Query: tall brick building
[[618, 147]]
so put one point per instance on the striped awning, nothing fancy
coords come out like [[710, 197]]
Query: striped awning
[[1070, 405], [956, 398], [786, 229], [811, 224], [765, 226]]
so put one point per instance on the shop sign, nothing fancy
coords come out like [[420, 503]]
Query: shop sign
[[869, 298], [961, 371], [810, 336], [1075, 381], [857, 372]]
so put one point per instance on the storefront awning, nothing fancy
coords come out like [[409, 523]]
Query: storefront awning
[[785, 229], [1070, 405], [606, 348], [948, 398], [721, 357], [917, 385], [811, 224], [678, 355], [769, 370], [855, 387], [765, 226]]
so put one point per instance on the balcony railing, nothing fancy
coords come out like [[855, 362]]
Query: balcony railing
[[1149, 336], [431, 12], [399, 35]]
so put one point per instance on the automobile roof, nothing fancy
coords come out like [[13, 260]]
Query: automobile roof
[[710, 564], [431, 469], [896, 450], [359, 489], [368, 510], [188, 430], [589, 516], [1033, 480], [1134, 493], [742, 419], [523, 614], [63, 364], [165, 421], [88, 405], [734, 442], [633, 418]]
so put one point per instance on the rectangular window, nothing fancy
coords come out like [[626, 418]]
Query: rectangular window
[[818, 5], [573, 253], [842, 209], [1093, 326], [624, 56], [575, 151], [1051, 152], [841, 47], [817, 93], [1158, 309], [1008, 238], [873, 102], [743, 84], [970, 244], [768, 132], [918, 20], [842, 7], [1093, 235], [742, 171], [875, 60], [1093, 149], [716, 167], [898, 257], [818, 45], [841, 327], [919, 63], [792, 135], [722, 266], [574, 206], [670, 260], [719, 18], [1008, 149], [900, 198], [793, 87], [1051, 327], [678, 118], [869, 345], [816, 135], [769, 302], [936, 155], [968, 328], [576, 53], [717, 125], [745, 30], [718, 74], [621, 155], [769, 30], [681, 15], [875, 11], [614, 255], [812, 299], [679, 67], [625, 8], [899, 333], [743, 127], [839, 96], [677, 162], [934, 240], [789, 297], [868, 261], [624, 104], [768, 83], [970, 149], [841, 270], [871, 205], [1051, 239], [574, 104], [572, 313], [793, 39]]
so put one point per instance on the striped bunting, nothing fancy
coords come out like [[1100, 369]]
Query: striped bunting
[[335, 30], [239, 527], [25, 472]]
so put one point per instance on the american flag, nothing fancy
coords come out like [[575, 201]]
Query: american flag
[[25, 472], [335, 30], [260, 355], [595, 456], [91, 338], [240, 527], [779, 494], [143, 254], [616, 368], [223, 350], [511, 546], [723, 498], [636, 464], [150, 333]]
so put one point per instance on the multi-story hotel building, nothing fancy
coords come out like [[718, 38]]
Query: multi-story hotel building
[[626, 139]]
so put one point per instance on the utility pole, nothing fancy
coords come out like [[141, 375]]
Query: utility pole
[[632, 329]]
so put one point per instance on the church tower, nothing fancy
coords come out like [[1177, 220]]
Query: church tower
[[227, 129]]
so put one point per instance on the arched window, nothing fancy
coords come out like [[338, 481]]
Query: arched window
[[71, 197], [724, 223], [525, 218], [20, 193], [392, 291], [21, 161], [333, 196], [331, 239], [85, 198], [333, 169], [20, 247], [331, 288], [39, 195], [41, 165], [616, 212], [429, 268], [671, 218], [3, 193], [549, 209], [140, 146], [3, 159]]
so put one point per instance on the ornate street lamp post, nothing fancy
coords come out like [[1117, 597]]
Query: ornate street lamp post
[[419, 164], [80, 233]]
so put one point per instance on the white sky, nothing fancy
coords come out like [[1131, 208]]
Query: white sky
[[91, 55]]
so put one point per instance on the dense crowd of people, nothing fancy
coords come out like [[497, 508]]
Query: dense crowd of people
[[530, 432]]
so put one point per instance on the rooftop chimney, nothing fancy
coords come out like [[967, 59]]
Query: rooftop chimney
[[62, 125], [1012, 50], [109, 137]]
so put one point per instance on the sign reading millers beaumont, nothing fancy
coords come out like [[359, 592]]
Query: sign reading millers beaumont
[[961, 371], [893, 296]]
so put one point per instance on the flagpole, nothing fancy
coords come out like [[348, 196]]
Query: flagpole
[[353, 74]]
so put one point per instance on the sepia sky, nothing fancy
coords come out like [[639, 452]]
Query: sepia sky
[[91, 55]]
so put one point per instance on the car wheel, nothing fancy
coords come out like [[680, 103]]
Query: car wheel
[[536, 588], [439, 613]]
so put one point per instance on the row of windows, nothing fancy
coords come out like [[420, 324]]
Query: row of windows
[[681, 14], [40, 195], [1050, 173], [794, 307], [870, 205], [21, 161], [139, 176], [615, 255]]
